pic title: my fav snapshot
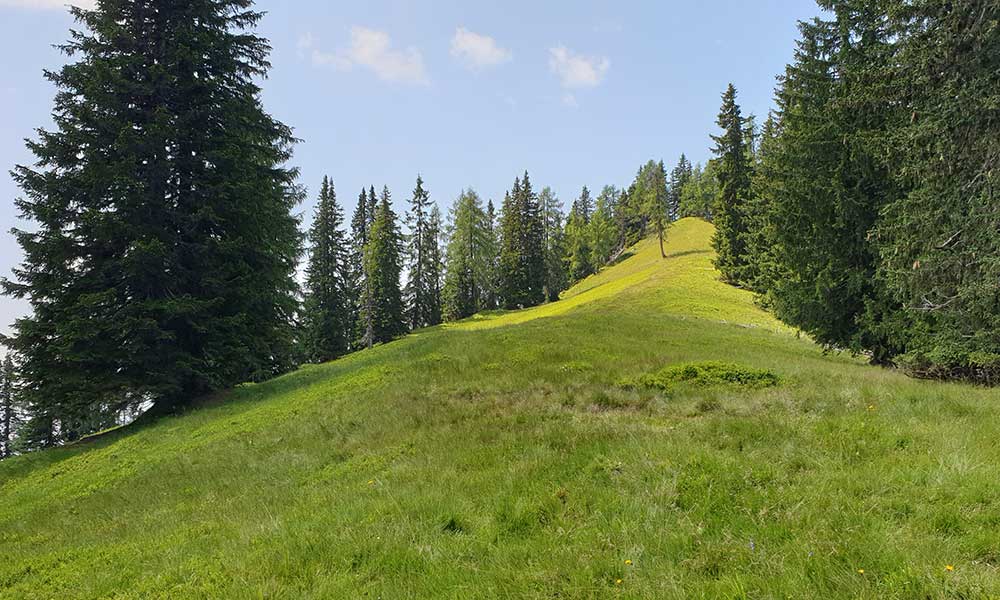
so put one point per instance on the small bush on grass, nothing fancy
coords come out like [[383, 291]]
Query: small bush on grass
[[706, 374]]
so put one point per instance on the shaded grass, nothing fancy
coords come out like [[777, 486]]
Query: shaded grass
[[498, 458]]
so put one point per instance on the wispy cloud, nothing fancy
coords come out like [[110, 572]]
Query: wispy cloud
[[48, 4], [477, 51], [576, 70], [371, 49]]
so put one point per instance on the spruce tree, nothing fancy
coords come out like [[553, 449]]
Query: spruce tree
[[578, 237], [511, 277], [701, 193], [649, 200], [383, 312], [533, 244], [328, 288], [434, 266], [679, 177], [163, 247], [490, 296], [603, 233], [468, 257], [422, 305], [733, 173], [939, 241], [826, 186], [759, 238], [8, 416], [556, 279], [360, 226]]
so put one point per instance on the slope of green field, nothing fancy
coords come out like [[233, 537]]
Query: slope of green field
[[514, 456]]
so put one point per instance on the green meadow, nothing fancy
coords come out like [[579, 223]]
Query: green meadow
[[654, 434]]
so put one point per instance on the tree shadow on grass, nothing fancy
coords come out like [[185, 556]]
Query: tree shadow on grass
[[687, 253]]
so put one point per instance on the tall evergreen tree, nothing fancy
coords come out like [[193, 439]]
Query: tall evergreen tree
[[679, 177], [826, 187], [759, 238], [468, 257], [163, 247], [360, 226], [603, 233], [434, 266], [649, 199], [733, 164], [328, 288], [939, 241], [533, 244], [383, 311], [422, 303], [522, 252], [490, 298], [556, 279], [8, 416], [700, 194], [578, 237]]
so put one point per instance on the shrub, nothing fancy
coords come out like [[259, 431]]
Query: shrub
[[705, 374]]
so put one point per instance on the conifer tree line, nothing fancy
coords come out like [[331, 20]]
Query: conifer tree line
[[163, 258], [865, 211]]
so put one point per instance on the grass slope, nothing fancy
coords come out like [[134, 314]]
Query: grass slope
[[502, 458]]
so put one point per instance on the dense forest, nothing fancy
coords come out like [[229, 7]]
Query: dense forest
[[163, 262]]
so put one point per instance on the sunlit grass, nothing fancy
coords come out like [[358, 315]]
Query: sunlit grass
[[503, 458]]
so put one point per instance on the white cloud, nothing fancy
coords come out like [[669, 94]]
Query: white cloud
[[576, 70], [371, 49], [48, 4], [477, 51]]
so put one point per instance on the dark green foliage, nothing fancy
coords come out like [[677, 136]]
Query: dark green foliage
[[939, 243], [360, 227], [630, 217], [733, 173], [679, 178], [706, 374], [160, 262], [761, 270], [604, 235], [522, 255], [648, 196], [701, 193], [8, 407], [825, 186], [382, 304], [556, 278], [328, 300], [579, 254], [423, 298], [469, 258], [490, 299]]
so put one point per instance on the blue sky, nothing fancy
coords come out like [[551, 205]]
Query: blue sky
[[469, 94]]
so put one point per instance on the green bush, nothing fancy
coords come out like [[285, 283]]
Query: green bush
[[705, 374]]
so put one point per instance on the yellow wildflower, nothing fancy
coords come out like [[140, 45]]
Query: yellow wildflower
[[949, 568], [628, 561]]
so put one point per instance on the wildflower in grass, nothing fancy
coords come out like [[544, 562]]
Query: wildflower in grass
[[949, 568], [628, 562], [861, 571], [871, 407], [618, 581], [371, 482]]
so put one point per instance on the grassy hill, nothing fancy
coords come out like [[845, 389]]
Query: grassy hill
[[543, 453]]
